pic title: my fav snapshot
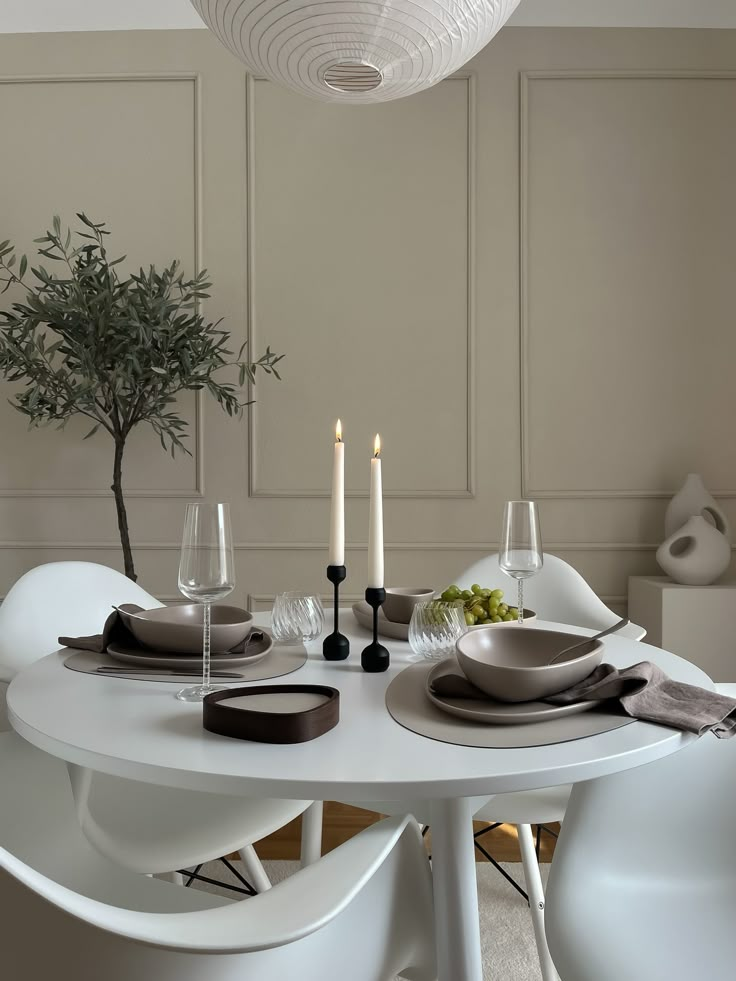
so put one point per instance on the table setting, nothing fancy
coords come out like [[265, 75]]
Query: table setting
[[485, 673]]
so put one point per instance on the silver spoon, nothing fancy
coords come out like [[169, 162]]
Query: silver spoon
[[589, 640]]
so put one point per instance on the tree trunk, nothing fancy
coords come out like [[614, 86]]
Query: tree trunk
[[117, 489]]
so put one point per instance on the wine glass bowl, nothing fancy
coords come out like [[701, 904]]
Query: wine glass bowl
[[520, 554], [206, 574], [298, 617], [434, 629]]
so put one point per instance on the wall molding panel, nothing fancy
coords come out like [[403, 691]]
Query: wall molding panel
[[194, 80], [527, 78], [255, 488]]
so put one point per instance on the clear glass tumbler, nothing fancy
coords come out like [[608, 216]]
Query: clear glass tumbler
[[435, 627], [298, 618]]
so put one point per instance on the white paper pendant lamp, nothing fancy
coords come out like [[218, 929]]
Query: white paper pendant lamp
[[351, 51]]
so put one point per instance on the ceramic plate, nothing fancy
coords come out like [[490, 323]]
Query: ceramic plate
[[495, 713], [386, 628], [256, 651]]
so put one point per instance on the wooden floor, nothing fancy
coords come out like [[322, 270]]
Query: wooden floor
[[341, 821]]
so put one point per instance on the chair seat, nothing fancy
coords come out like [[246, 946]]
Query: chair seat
[[127, 821], [36, 801], [527, 807]]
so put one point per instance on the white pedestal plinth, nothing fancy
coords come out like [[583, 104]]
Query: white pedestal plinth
[[696, 622]]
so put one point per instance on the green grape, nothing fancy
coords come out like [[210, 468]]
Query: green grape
[[466, 594], [503, 609], [513, 613], [475, 588], [469, 620], [508, 618], [493, 603], [496, 618], [485, 593], [447, 596], [477, 611], [485, 619], [498, 593]]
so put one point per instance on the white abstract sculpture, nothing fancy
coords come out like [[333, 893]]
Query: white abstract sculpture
[[353, 51], [697, 549]]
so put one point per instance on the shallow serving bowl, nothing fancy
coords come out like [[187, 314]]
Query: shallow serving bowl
[[513, 665], [529, 615], [178, 629]]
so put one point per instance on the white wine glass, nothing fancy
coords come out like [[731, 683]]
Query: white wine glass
[[520, 554], [206, 574]]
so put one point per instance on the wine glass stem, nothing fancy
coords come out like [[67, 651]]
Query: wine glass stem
[[206, 647], [521, 600]]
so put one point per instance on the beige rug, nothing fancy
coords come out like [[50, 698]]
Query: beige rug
[[509, 953]]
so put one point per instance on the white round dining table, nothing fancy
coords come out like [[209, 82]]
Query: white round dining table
[[137, 729]]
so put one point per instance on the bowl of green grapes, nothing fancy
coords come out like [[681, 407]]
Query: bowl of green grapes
[[484, 607]]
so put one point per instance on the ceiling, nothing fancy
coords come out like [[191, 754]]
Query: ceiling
[[23, 16]]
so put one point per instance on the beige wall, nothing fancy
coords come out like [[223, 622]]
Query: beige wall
[[523, 278]]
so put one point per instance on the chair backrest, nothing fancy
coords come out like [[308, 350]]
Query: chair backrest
[[60, 598], [665, 826], [558, 592]]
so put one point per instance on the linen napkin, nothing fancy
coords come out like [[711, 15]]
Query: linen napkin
[[644, 692], [115, 632]]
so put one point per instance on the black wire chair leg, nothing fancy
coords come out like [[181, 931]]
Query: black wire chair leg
[[538, 841], [241, 878], [192, 875], [215, 882], [509, 878], [484, 831]]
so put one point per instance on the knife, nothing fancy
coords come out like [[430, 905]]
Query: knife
[[177, 672]]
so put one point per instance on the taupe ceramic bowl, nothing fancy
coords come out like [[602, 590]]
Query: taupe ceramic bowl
[[513, 665], [401, 600], [178, 629]]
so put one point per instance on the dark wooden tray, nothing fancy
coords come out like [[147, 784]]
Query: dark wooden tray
[[272, 719]]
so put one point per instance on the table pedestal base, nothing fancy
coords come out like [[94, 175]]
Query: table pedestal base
[[457, 927]]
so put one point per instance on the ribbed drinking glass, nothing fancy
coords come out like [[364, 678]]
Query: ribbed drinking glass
[[298, 618], [435, 627]]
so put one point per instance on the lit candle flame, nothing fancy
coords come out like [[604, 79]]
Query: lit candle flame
[[377, 446], [338, 431]]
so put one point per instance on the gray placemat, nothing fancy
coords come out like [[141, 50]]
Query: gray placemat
[[281, 661], [408, 704]]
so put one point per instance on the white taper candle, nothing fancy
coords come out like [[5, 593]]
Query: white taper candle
[[337, 514], [375, 522]]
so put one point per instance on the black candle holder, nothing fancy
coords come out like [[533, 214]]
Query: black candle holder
[[336, 646], [375, 656]]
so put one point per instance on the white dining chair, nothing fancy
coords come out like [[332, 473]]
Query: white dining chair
[[557, 592], [362, 912], [143, 827], [643, 881]]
